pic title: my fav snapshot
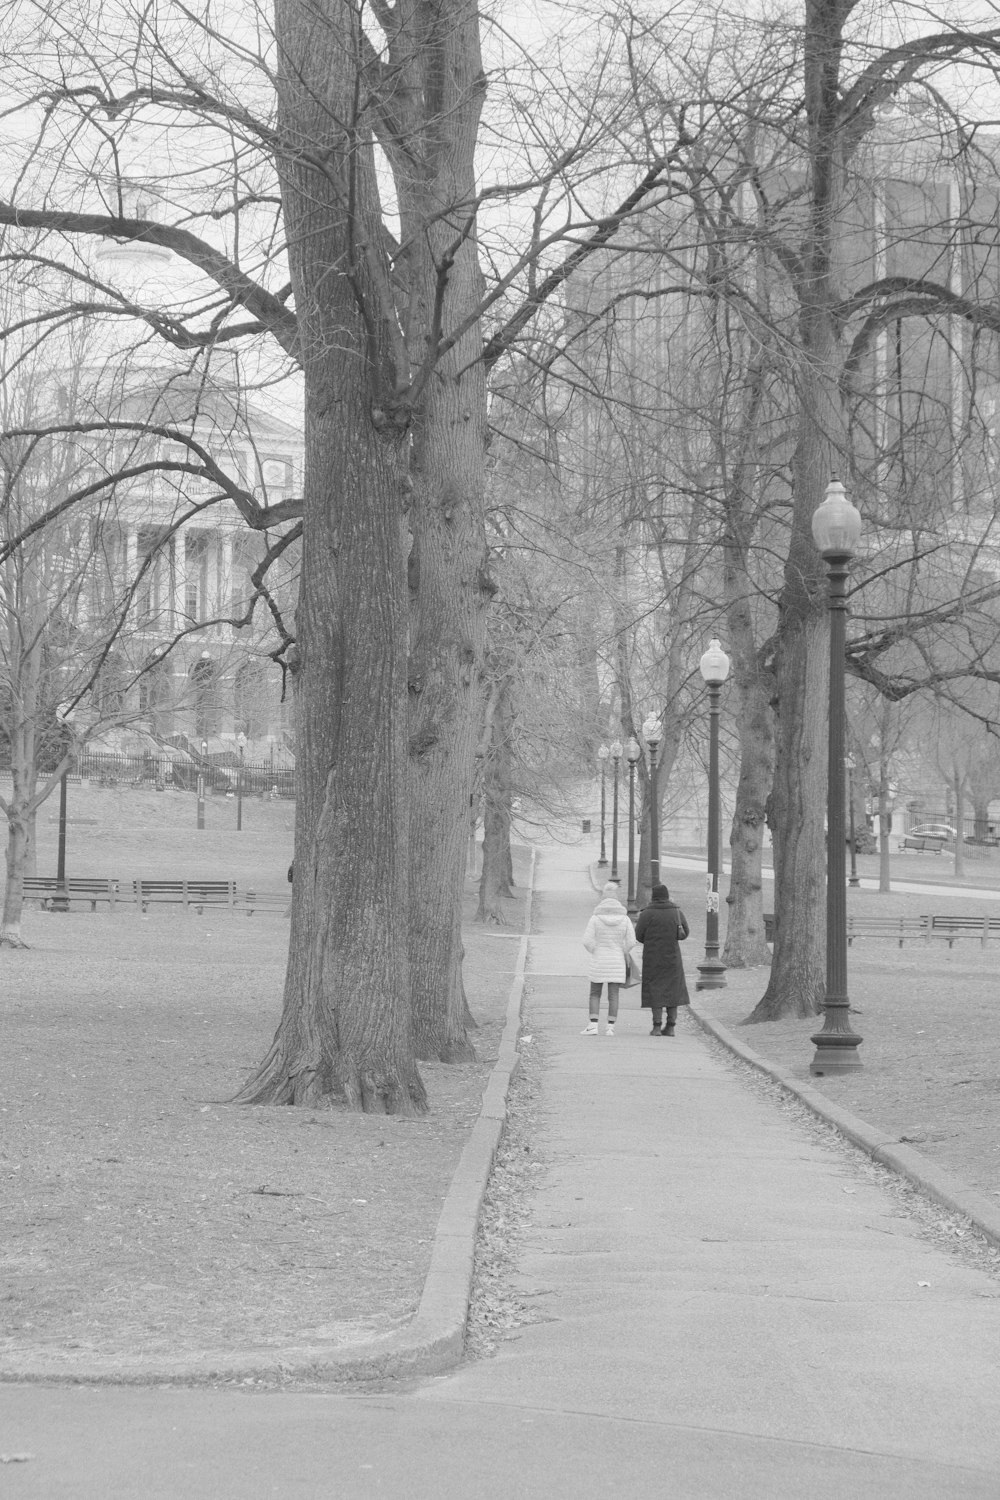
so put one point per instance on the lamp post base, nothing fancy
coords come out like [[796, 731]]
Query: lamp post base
[[836, 1052], [711, 975]]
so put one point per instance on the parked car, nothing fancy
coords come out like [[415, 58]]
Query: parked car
[[932, 831]]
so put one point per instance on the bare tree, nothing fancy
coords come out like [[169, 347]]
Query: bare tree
[[337, 218]]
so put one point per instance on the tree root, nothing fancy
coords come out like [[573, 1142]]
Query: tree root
[[277, 1081]]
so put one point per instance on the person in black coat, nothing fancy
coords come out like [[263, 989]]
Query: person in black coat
[[661, 928]]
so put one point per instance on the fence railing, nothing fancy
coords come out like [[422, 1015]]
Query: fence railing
[[258, 777]]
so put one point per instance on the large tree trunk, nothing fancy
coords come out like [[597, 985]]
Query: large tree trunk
[[798, 801], [958, 792], [345, 1034], [16, 853], [494, 882], [25, 663], [795, 813], [437, 53], [746, 946], [797, 805]]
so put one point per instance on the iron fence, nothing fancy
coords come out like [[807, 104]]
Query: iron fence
[[105, 768]]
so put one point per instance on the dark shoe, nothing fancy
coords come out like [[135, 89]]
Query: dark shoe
[[655, 1031], [667, 1031]]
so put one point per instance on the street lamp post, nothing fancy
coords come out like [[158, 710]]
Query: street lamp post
[[836, 528], [616, 755], [632, 753], [602, 756], [652, 733], [851, 834], [714, 668]]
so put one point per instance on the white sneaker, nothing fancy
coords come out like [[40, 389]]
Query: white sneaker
[[611, 1029], [590, 1029]]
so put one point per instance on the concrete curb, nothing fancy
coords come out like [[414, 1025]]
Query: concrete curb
[[928, 1178], [435, 1337]]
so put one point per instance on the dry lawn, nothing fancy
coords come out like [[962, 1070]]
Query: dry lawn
[[144, 1216]]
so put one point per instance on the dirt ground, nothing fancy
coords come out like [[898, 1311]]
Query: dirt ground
[[145, 1216], [142, 1214]]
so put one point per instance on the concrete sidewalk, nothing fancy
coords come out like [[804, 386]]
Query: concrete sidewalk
[[702, 1261], [723, 1307]]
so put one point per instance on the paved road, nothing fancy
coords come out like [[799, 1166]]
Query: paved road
[[725, 1307]]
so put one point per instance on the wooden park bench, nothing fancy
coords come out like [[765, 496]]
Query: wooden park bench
[[47, 889], [186, 893], [904, 928], [951, 928], [899, 928], [924, 843]]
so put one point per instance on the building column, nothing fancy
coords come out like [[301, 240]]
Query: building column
[[179, 568], [225, 583]]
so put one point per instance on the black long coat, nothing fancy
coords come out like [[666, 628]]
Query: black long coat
[[660, 929]]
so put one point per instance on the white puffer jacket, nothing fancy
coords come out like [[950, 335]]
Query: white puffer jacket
[[608, 938]]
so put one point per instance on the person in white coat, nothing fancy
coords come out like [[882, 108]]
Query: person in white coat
[[609, 939]]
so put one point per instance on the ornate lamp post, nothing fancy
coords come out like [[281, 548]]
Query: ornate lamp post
[[852, 837], [714, 667], [652, 733], [602, 756], [836, 528], [616, 755], [632, 753]]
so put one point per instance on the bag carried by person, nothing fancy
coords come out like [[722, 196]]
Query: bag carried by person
[[633, 967]]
